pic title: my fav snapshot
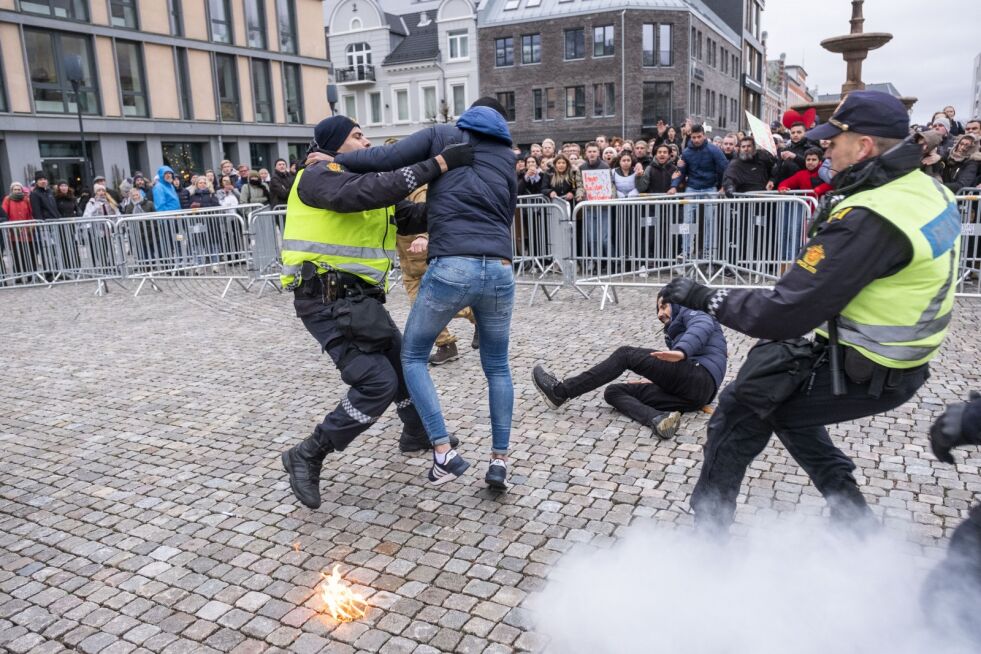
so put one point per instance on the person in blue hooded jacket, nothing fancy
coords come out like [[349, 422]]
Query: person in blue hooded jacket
[[164, 193], [470, 212], [685, 377]]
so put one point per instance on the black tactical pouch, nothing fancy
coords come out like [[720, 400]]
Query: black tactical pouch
[[775, 370], [364, 322]]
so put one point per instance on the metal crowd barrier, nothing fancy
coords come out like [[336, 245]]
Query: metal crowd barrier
[[45, 253], [541, 238], [645, 241], [969, 278], [207, 244], [265, 235]]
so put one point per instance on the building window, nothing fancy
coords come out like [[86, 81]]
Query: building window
[[531, 49], [185, 158], [657, 104], [74, 9], [504, 52], [657, 44], [260, 154], [537, 104], [401, 105], [733, 110], [286, 16], [262, 91], [428, 98], [603, 41], [255, 23], [184, 84], [604, 99], [294, 94], [506, 98], [131, 78], [358, 57], [459, 94], [296, 151], [575, 101], [694, 42], [220, 18], [350, 104], [3, 93], [375, 108], [459, 42], [227, 74], [575, 44], [176, 14], [550, 94], [122, 13], [699, 44], [46, 52], [725, 61]]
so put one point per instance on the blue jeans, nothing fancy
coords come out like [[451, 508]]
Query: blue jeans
[[708, 223], [450, 284]]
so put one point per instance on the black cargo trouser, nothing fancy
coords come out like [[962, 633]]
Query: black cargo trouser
[[736, 436], [681, 386], [375, 380]]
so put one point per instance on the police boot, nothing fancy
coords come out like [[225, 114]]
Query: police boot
[[849, 511], [419, 441], [303, 464]]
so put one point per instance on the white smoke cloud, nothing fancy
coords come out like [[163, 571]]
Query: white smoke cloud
[[780, 590]]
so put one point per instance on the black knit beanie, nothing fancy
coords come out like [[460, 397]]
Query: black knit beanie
[[331, 133]]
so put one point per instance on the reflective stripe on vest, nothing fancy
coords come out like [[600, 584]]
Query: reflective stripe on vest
[[361, 243], [901, 320]]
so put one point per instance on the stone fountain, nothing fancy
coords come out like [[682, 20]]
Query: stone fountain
[[854, 48]]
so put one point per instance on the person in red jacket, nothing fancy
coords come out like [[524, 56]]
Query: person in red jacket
[[807, 179], [17, 206]]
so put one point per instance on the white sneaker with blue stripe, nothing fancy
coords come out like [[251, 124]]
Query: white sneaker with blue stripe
[[452, 467]]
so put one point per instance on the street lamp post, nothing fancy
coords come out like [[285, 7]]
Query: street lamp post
[[73, 71]]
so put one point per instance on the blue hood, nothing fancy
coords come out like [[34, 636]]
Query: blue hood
[[165, 169], [486, 121]]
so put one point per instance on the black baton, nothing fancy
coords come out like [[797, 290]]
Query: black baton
[[834, 358]]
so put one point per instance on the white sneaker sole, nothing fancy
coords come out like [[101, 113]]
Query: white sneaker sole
[[667, 427], [448, 477]]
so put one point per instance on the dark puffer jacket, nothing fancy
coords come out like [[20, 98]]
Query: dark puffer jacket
[[471, 208], [700, 337]]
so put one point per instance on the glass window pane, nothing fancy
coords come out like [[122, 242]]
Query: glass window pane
[[287, 26], [221, 27], [350, 107], [261, 91], [227, 86], [294, 97], [123, 13], [130, 61], [255, 23], [376, 107], [429, 103], [664, 45], [402, 104]]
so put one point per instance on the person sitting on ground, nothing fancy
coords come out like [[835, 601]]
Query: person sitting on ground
[[685, 377], [807, 179]]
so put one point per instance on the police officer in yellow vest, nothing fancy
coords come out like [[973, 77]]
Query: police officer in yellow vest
[[880, 269], [338, 247]]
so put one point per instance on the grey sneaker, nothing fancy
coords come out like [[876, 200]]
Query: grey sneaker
[[665, 426], [444, 354], [545, 383]]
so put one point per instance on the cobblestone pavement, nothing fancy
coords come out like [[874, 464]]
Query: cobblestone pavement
[[143, 507]]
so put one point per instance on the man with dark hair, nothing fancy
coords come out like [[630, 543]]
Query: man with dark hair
[[751, 170], [876, 282], [43, 203], [703, 172], [684, 377], [791, 157], [280, 183]]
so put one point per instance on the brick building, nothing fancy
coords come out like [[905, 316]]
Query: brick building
[[558, 66]]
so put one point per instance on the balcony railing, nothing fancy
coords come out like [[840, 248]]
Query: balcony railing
[[358, 73]]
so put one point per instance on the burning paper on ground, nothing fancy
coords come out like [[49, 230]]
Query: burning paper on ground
[[340, 602]]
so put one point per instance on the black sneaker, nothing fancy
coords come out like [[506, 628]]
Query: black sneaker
[[665, 426], [444, 354], [497, 474], [410, 442], [454, 466], [475, 343], [545, 383]]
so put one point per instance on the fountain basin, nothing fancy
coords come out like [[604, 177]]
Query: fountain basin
[[856, 42]]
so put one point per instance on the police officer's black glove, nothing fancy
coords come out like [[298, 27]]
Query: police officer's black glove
[[688, 293], [457, 155], [960, 424]]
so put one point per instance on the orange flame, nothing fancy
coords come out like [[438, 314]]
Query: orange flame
[[343, 604]]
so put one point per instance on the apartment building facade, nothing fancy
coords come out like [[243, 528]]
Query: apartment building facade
[[400, 71], [572, 69], [182, 82]]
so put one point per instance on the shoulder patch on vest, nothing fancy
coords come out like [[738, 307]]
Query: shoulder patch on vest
[[335, 167], [943, 231], [838, 215], [812, 256]]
